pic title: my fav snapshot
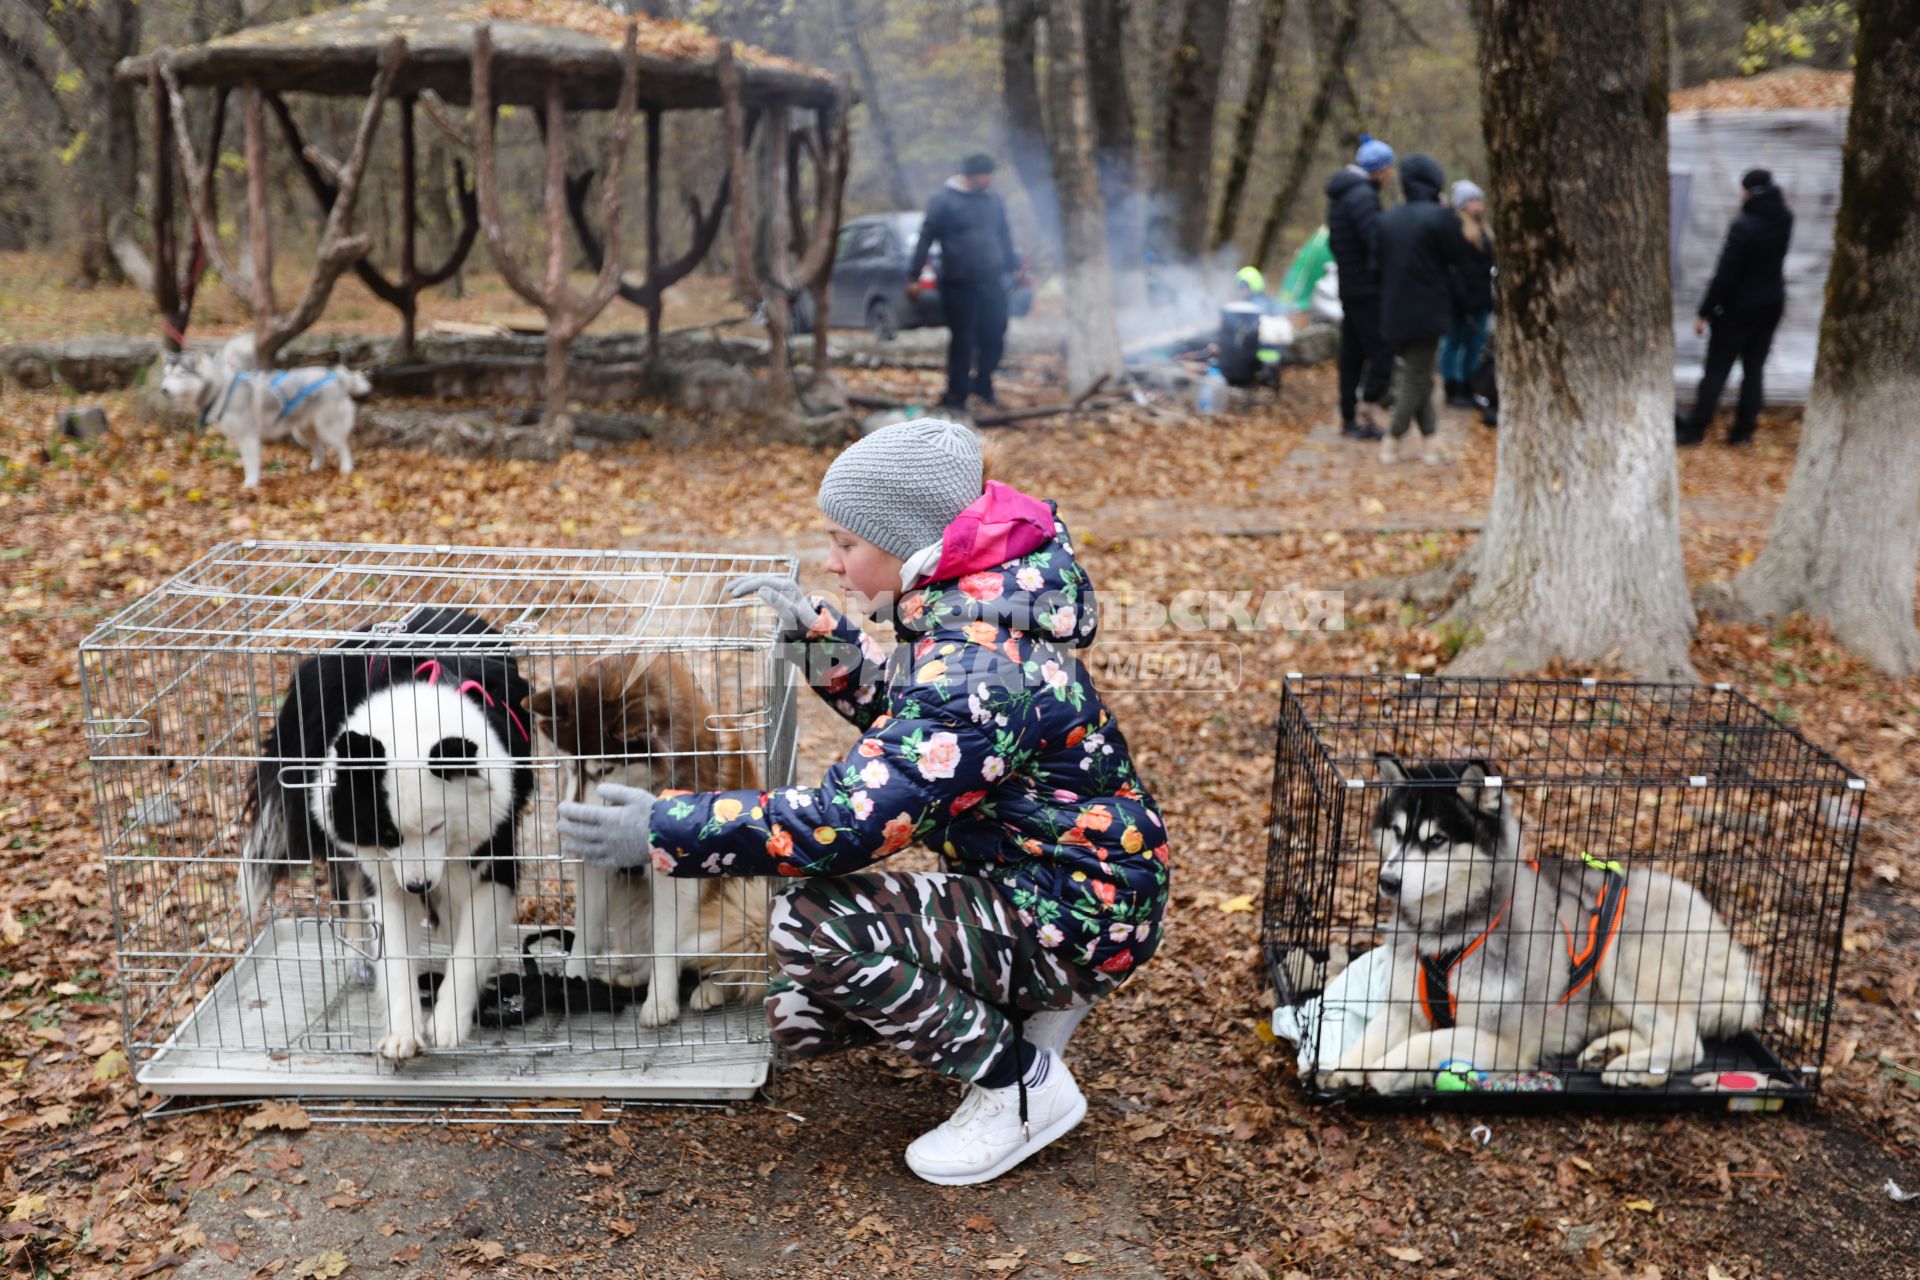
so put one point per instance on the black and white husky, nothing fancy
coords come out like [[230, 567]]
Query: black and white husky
[[313, 407], [1504, 965], [400, 762]]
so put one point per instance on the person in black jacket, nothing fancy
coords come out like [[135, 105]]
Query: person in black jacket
[[1461, 349], [1743, 304], [977, 264], [1353, 231], [1420, 264]]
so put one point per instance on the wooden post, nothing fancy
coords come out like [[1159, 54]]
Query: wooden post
[[746, 282], [774, 293], [166, 298], [559, 331], [409, 218], [260, 234], [816, 265], [567, 311], [654, 305]]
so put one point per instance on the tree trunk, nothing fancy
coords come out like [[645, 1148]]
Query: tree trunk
[[95, 36], [899, 191], [1115, 152], [1026, 140], [1846, 542], [1186, 130], [1306, 143], [1580, 561], [1093, 341], [1246, 125]]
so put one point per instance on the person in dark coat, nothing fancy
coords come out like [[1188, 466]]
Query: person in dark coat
[[1353, 231], [977, 264], [1461, 349], [1743, 305], [1420, 264]]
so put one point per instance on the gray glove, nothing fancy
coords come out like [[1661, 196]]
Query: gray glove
[[796, 612], [613, 835]]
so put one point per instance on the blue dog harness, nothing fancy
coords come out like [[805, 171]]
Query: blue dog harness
[[273, 388]]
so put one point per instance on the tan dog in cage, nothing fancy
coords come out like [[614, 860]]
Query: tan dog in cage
[[643, 721], [1501, 965]]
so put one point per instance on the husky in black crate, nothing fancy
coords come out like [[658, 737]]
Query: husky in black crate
[[400, 763], [1502, 964]]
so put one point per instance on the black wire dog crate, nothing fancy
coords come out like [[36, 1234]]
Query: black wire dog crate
[[563, 669], [1484, 889]]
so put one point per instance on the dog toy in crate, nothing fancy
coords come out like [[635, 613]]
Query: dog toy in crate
[[1458, 1076], [1736, 1082]]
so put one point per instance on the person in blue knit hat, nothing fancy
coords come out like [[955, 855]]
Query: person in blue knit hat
[[1353, 235]]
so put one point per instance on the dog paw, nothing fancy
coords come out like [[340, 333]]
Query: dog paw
[[658, 1013], [708, 995], [447, 1031], [1605, 1050], [628, 978], [1392, 1082], [1350, 1078], [399, 1046], [1634, 1071]]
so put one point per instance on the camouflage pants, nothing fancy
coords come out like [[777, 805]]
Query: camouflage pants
[[927, 962]]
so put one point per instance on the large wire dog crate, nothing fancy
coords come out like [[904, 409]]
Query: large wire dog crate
[[226, 994], [1393, 928]]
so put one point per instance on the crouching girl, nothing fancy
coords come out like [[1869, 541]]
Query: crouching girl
[[981, 737]]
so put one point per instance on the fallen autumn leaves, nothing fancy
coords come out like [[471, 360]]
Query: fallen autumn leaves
[[1198, 1144]]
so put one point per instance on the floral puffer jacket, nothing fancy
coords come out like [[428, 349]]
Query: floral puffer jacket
[[982, 737]]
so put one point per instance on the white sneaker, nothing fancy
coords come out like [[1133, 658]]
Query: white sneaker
[[1389, 450], [1052, 1028], [984, 1137], [1431, 455]]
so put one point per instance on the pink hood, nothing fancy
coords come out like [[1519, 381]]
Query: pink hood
[[1001, 525]]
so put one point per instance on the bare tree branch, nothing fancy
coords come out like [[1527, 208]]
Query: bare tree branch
[[442, 117], [338, 248], [1332, 71], [199, 184], [492, 225]]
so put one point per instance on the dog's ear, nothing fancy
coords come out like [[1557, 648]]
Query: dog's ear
[[358, 746], [1473, 789], [1391, 770], [545, 704], [451, 759]]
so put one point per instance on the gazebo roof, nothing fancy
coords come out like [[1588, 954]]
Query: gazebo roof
[[338, 54]]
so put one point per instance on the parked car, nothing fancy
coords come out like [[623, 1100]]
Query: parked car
[[870, 280]]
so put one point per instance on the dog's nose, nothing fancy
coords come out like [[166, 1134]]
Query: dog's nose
[[1390, 885], [417, 886]]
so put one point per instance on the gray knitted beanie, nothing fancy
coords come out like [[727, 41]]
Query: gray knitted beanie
[[903, 485]]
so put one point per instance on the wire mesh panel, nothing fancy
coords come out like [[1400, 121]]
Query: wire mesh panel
[[1541, 887], [327, 779]]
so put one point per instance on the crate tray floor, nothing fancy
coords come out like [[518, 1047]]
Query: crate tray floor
[[286, 1020]]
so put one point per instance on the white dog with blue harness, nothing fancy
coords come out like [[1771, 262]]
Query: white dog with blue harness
[[313, 406]]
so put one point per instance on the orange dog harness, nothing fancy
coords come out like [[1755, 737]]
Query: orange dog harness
[[1434, 984]]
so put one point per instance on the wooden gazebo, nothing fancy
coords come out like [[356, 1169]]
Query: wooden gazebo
[[551, 56]]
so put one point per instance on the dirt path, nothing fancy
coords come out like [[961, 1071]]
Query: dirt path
[[754, 1191]]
